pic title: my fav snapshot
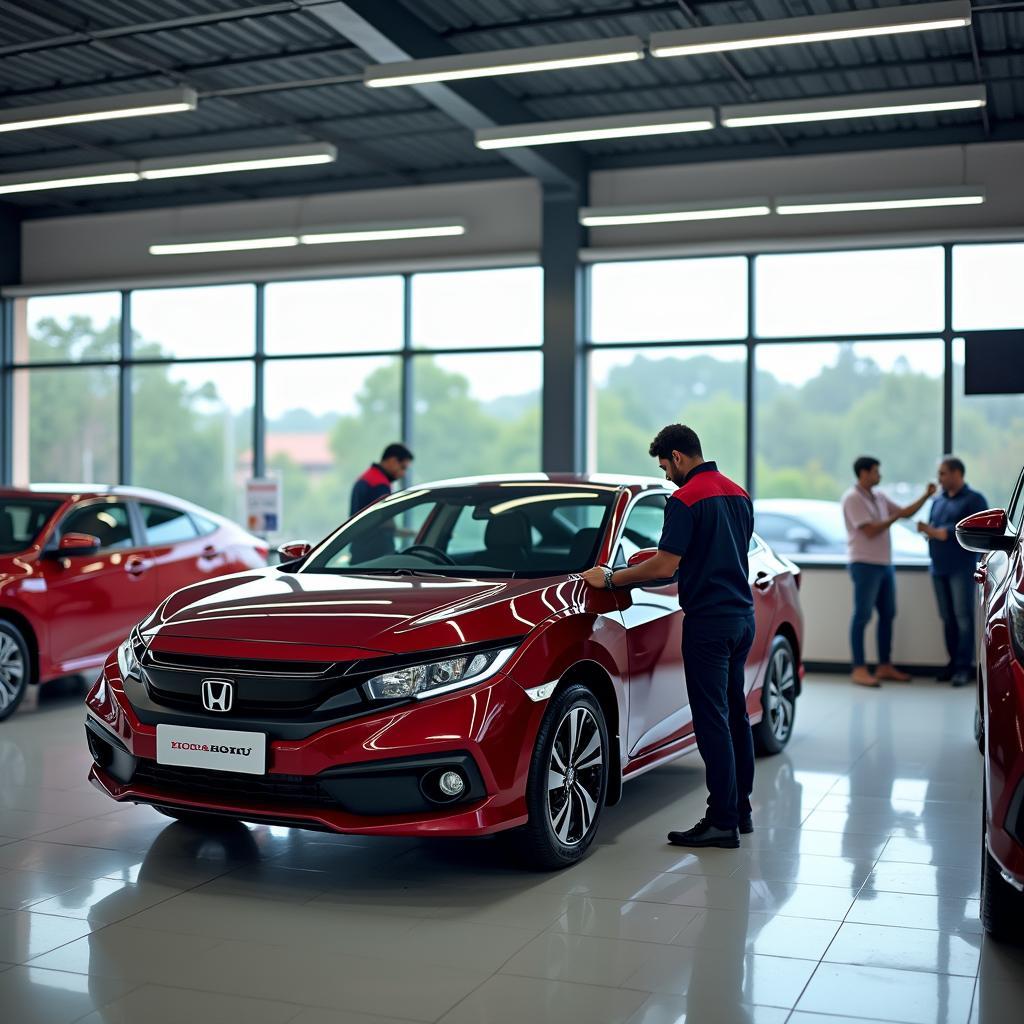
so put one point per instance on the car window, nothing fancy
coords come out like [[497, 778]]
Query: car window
[[1016, 507], [22, 520], [204, 525], [107, 520], [643, 527], [166, 525], [772, 527]]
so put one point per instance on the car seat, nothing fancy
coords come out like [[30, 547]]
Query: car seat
[[507, 540]]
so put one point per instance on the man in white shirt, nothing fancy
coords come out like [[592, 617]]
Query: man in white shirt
[[869, 516]]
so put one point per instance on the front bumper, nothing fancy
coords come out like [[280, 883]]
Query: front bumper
[[376, 774]]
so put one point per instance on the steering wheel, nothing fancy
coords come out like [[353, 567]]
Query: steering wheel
[[429, 549]]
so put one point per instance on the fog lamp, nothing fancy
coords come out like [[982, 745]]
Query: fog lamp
[[452, 784]]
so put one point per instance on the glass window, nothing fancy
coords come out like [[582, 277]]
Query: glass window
[[166, 525], [357, 314], [107, 520], [209, 408], [881, 291], [476, 414], [67, 328], [669, 300], [204, 525], [65, 425], [643, 528], [194, 323], [327, 420], [477, 308], [634, 393], [22, 520], [987, 293], [988, 434]]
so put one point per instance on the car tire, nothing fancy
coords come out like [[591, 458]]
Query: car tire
[[1002, 906], [778, 700], [197, 819], [564, 820], [15, 668]]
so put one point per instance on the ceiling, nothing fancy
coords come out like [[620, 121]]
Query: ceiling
[[273, 73]]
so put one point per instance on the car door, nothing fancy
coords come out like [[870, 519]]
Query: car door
[[659, 710], [95, 598], [181, 556], [764, 568], [994, 568]]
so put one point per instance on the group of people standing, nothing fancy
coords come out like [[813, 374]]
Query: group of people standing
[[869, 516]]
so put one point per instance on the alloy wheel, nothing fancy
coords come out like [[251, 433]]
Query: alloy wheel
[[780, 694], [12, 671], [575, 773]]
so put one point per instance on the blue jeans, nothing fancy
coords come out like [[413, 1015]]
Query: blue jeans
[[874, 587], [955, 597], [714, 656]]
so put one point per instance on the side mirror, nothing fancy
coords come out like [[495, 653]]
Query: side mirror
[[800, 536], [641, 556], [985, 531], [295, 550], [78, 544]]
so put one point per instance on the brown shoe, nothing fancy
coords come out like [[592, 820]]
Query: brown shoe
[[892, 673], [862, 676]]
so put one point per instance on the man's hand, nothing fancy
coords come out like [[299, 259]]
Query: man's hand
[[924, 528], [931, 489], [594, 577]]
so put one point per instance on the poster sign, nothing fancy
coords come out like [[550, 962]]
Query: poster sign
[[263, 504]]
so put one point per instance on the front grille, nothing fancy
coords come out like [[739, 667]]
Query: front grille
[[234, 787], [250, 666]]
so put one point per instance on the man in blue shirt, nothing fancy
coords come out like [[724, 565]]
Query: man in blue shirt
[[953, 568], [708, 524]]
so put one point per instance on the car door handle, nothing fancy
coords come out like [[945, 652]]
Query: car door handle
[[137, 566], [209, 551], [763, 580]]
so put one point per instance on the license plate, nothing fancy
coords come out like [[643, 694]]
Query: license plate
[[223, 750]]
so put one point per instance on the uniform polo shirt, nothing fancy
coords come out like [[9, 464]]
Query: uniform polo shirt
[[373, 485], [948, 558], [708, 523]]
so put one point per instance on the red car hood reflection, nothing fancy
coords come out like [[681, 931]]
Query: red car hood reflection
[[392, 614]]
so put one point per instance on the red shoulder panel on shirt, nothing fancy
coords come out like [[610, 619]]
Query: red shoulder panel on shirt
[[709, 485], [375, 477]]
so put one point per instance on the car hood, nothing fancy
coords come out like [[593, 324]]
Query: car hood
[[385, 614]]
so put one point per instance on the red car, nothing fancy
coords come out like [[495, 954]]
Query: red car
[[80, 565], [435, 667], [998, 535]]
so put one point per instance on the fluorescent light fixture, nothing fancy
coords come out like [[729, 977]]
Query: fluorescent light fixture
[[909, 199], [104, 108], [505, 62], [884, 21], [868, 104], [223, 245], [581, 129], [68, 177], [717, 209], [383, 232], [238, 160]]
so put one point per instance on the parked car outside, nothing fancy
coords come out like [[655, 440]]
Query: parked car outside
[[79, 564], [1000, 575], [461, 682]]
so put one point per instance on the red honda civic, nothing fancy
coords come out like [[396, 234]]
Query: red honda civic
[[999, 536], [435, 667], [79, 566]]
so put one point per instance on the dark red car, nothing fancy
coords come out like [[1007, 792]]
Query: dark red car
[[80, 565], [998, 535], [436, 667]]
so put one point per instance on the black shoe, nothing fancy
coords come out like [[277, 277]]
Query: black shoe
[[705, 834], [945, 674], [962, 679], [746, 824]]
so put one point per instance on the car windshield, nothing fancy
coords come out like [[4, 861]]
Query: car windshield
[[22, 520], [492, 529]]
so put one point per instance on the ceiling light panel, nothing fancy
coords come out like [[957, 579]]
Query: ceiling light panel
[[505, 62], [68, 177], [223, 245], [860, 202], [897, 19], [105, 108], [718, 209], [583, 129], [260, 159], [837, 108]]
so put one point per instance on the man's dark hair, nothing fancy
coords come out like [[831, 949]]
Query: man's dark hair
[[397, 451], [955, 464], [864, 464], [676, 438]]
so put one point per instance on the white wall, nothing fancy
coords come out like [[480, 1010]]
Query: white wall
[[826, 596]]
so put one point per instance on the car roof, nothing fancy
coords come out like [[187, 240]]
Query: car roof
[[84, 490], [603, 480]]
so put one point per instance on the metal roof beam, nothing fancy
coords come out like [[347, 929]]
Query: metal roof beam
[[388, 33]]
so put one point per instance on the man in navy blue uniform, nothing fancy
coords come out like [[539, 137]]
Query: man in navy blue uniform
[[708, 525], [373, 485], [953, 568]]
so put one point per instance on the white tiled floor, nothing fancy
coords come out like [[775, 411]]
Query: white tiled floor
[[855, 899]]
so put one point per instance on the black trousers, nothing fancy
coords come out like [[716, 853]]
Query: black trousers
[[714, 656]]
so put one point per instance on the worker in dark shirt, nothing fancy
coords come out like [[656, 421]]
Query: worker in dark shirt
[[708, 525], [373, 485], [953, 568]]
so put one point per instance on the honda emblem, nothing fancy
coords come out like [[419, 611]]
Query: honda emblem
[[218, 694]]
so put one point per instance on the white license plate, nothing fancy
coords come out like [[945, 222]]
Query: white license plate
[[224, 750]]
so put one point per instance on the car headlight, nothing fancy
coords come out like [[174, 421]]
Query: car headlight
[[436, 677], [1015, 604], [128, 655]]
